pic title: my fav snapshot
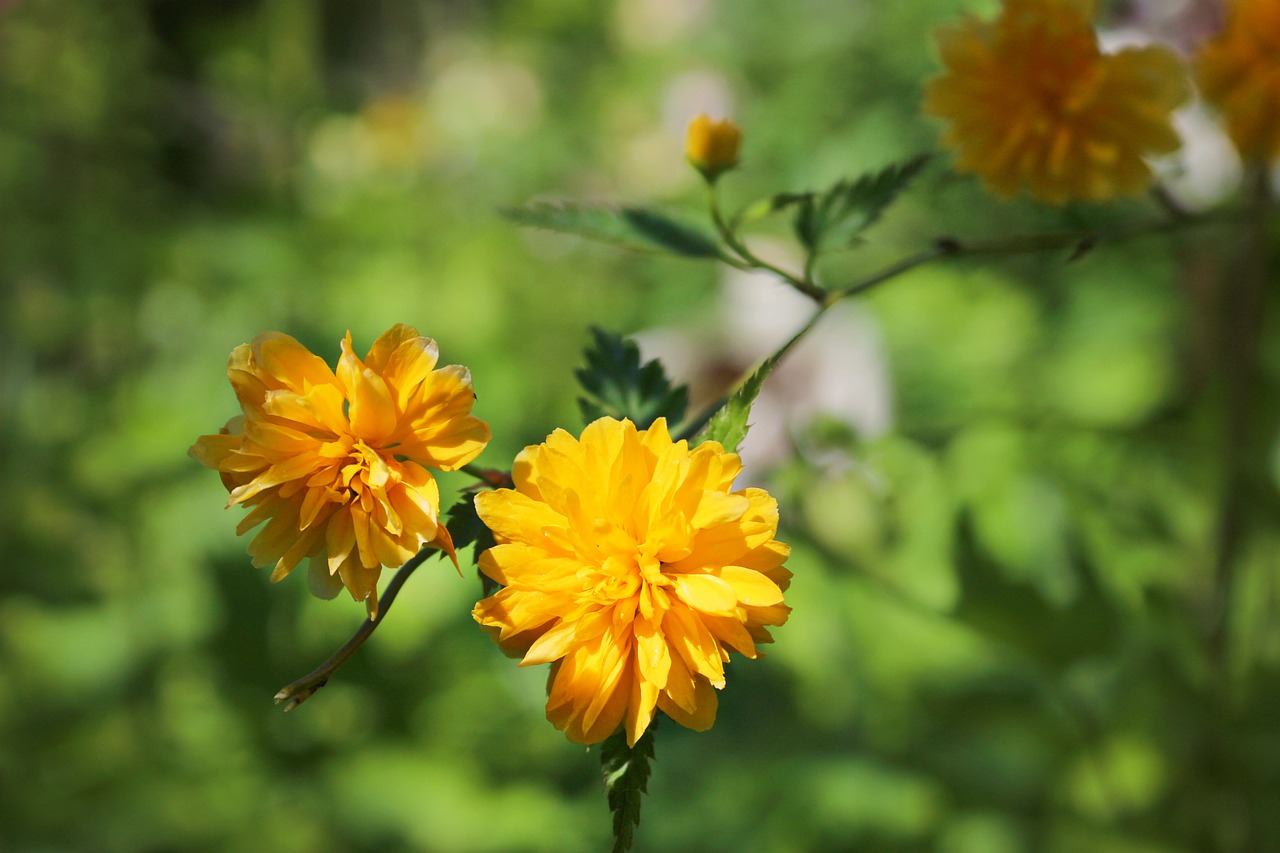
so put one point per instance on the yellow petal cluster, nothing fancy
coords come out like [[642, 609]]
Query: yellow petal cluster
[[712, 146], [1032, 103], [334, 464], [1239, 72], [629, 565]]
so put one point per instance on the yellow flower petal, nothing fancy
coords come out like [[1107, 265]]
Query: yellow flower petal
[[631, 568], [703, 713], [1032, 103], [1239, 73], [751, 587], [706, 593], [516, 517], [336, 464]]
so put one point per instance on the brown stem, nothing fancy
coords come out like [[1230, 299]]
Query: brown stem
[[1079, 242], [1239, 335], [751, 261], [297, 692]]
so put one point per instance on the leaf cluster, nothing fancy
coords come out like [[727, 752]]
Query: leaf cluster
[[838, 216], [466, 528], [618, 385]]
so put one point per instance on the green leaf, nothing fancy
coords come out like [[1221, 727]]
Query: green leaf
[[727, 422], [626, 774], [807, 224], [619, 386], [635, 228], [840, 214], [466, 528], [771, 205]]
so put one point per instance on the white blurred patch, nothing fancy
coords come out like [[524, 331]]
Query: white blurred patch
[[648, 24], [838, 371], [1207, 168], [692, 93], [474, 98]]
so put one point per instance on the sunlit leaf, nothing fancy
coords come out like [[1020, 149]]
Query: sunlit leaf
[[626, 775]]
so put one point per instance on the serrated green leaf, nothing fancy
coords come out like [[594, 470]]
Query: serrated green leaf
[[635, 228], [727, 424], [626, 775], [466, 528], [807, 224], [619, 386], [841, 213]]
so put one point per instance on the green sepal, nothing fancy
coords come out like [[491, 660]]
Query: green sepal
[[838, 215], [638, 228], [619, 386], [626, 775]]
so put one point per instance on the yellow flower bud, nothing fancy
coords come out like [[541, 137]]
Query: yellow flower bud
[[712, 146]]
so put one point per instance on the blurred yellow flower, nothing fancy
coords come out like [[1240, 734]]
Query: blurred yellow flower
[[712, 146], [336, 464], [1239, 72], [1032, 103], [629, 566]]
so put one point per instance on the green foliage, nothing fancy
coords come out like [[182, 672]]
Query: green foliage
[[839, 215], [998, 642], [637, 228], [619, 386], [466, 528], [626, 775]]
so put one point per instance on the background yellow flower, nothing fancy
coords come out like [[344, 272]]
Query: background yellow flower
[[712, 146], [630, 567], [1032, 103], [334, 465], [1239, 72]]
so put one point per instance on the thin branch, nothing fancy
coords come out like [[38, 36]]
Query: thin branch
[[1079, 242], [942, 247], [297, 692], [750, 259], [494, 478]]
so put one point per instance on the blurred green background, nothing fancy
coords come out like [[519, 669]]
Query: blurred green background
[[1006, 634]]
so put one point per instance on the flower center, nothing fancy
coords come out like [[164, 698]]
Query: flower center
[[363, 474], [627, 567]]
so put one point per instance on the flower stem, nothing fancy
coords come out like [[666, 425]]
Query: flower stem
[[749, 258], [494, 478], [297, 692]]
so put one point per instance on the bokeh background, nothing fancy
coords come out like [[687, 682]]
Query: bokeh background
[[1003, 480]]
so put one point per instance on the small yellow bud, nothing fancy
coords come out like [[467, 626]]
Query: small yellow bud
[[712, 146]]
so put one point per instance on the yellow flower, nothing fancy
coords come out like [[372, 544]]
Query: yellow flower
[[336, 464], [629, 566], [1239, 72], [1032, 102], [712, 146]]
